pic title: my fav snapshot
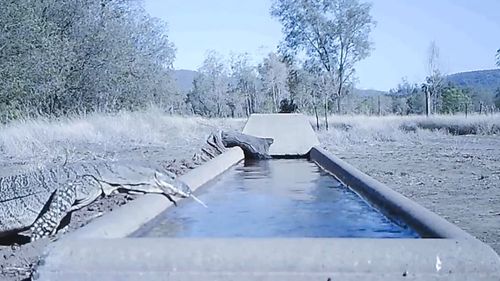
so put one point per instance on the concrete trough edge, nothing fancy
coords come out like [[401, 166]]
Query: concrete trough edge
[[390, 202], [128, 218], [292, 133], [254, 259]]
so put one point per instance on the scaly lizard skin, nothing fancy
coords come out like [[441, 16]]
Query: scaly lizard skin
[[40, 199]]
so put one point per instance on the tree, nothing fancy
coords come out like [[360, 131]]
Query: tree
[[273, 73], [399, 97], [497, 99], [315, 86], [454, 100], [406, 98], [481, 99], [498, 57], [309, 91], [399, 105], [434, 81], [209, 96], [415, 103], [332, 33], [243, 85], [74, 56], [292, 80]]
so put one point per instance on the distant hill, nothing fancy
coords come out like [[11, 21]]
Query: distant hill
[[184, 79], [487, 80]]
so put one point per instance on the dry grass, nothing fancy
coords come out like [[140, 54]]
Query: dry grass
[[48, 140], [457, 124], [348, 130]]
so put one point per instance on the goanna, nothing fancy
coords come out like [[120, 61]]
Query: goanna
[[40, 199]]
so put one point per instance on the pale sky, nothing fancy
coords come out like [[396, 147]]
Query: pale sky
[[467, 33]]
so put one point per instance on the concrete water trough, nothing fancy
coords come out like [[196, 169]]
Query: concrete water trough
[[113, 247]]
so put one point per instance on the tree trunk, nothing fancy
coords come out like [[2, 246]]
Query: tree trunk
[[218, 110], [275, 106], [427, 103], [316, 114], [249, 106], [341, 74], [278, 94], [338, 105], [252, 102], [315, 108], [379, 109], [326, 112]]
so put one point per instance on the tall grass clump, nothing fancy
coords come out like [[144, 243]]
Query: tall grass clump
[[347, 130], [47, 138], [456, 124]]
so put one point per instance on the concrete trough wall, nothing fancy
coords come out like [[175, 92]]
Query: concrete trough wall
[[391, 203], [292, 134], [270, 259]]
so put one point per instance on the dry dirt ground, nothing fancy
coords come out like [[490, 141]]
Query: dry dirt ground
[[457, 177]]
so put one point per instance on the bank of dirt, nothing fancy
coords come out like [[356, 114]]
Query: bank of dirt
[[457, 177]]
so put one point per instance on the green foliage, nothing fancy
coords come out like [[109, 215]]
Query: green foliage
[[498, 57], [454, 100], [365, 107], [416, 103], [399, 105], [77, 56], [481, 100], [432, 89], [482, 86], [333, 34], [273, 74], [210, 88], [241, 91], [484, 80], [407, 98], [243, 95], [497, 99]]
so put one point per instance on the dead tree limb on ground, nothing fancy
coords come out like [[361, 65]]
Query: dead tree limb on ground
[[253, 147]]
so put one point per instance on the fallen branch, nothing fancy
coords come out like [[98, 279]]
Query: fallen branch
[[253, 147]]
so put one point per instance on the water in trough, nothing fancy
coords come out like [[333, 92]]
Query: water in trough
[[275, 198]]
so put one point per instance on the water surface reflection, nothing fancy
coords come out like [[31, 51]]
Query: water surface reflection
[[275, 198]]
